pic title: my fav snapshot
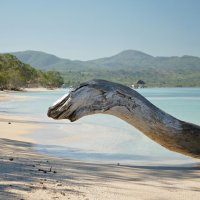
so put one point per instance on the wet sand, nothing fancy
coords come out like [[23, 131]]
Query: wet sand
[[11, 128], [16, 128]]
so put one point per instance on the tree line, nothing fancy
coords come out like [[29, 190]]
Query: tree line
[[15, 75]]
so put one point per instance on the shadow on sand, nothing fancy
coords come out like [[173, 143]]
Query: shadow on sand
[[22, 170]]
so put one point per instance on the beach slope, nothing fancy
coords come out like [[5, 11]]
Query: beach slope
[[26, 174]]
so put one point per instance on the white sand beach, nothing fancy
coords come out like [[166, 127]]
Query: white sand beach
[[25, 174], [29, 175], [37, 89]]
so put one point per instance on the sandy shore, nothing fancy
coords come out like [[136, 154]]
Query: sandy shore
[[38, 89], [7, 95], [16, 128], [26, 174]]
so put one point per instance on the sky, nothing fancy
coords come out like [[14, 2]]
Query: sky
[[89, 29]]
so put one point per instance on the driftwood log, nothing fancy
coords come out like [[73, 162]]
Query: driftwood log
[[100, 96]]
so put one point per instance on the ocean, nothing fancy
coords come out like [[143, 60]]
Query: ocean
[[103, 138]]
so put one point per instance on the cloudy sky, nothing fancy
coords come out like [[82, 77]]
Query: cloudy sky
[[88, 29]]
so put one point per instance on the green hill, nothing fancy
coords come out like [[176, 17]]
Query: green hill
[[126, 67], [15, 75], [129, 59], [44, 61]]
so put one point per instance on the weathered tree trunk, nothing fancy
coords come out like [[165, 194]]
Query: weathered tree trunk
[[99, 96]]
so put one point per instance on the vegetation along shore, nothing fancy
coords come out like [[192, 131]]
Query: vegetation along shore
[[46, 70], [15, 75]]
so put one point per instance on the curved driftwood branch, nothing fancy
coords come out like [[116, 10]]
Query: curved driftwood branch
[[100, 96]]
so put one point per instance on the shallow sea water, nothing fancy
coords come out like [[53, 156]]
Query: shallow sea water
[[104, 137]]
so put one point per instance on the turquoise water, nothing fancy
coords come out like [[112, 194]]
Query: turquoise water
[[103, 137]]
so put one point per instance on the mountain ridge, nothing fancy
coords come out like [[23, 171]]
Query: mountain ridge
[[125, 67], [120, 53], [43, 60]]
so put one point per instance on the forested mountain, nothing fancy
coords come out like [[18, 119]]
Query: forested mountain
[[129, 59], [15, 75], [39, 59], [126, 67]]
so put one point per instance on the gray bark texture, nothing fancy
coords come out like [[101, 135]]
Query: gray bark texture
[[100, 96]]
